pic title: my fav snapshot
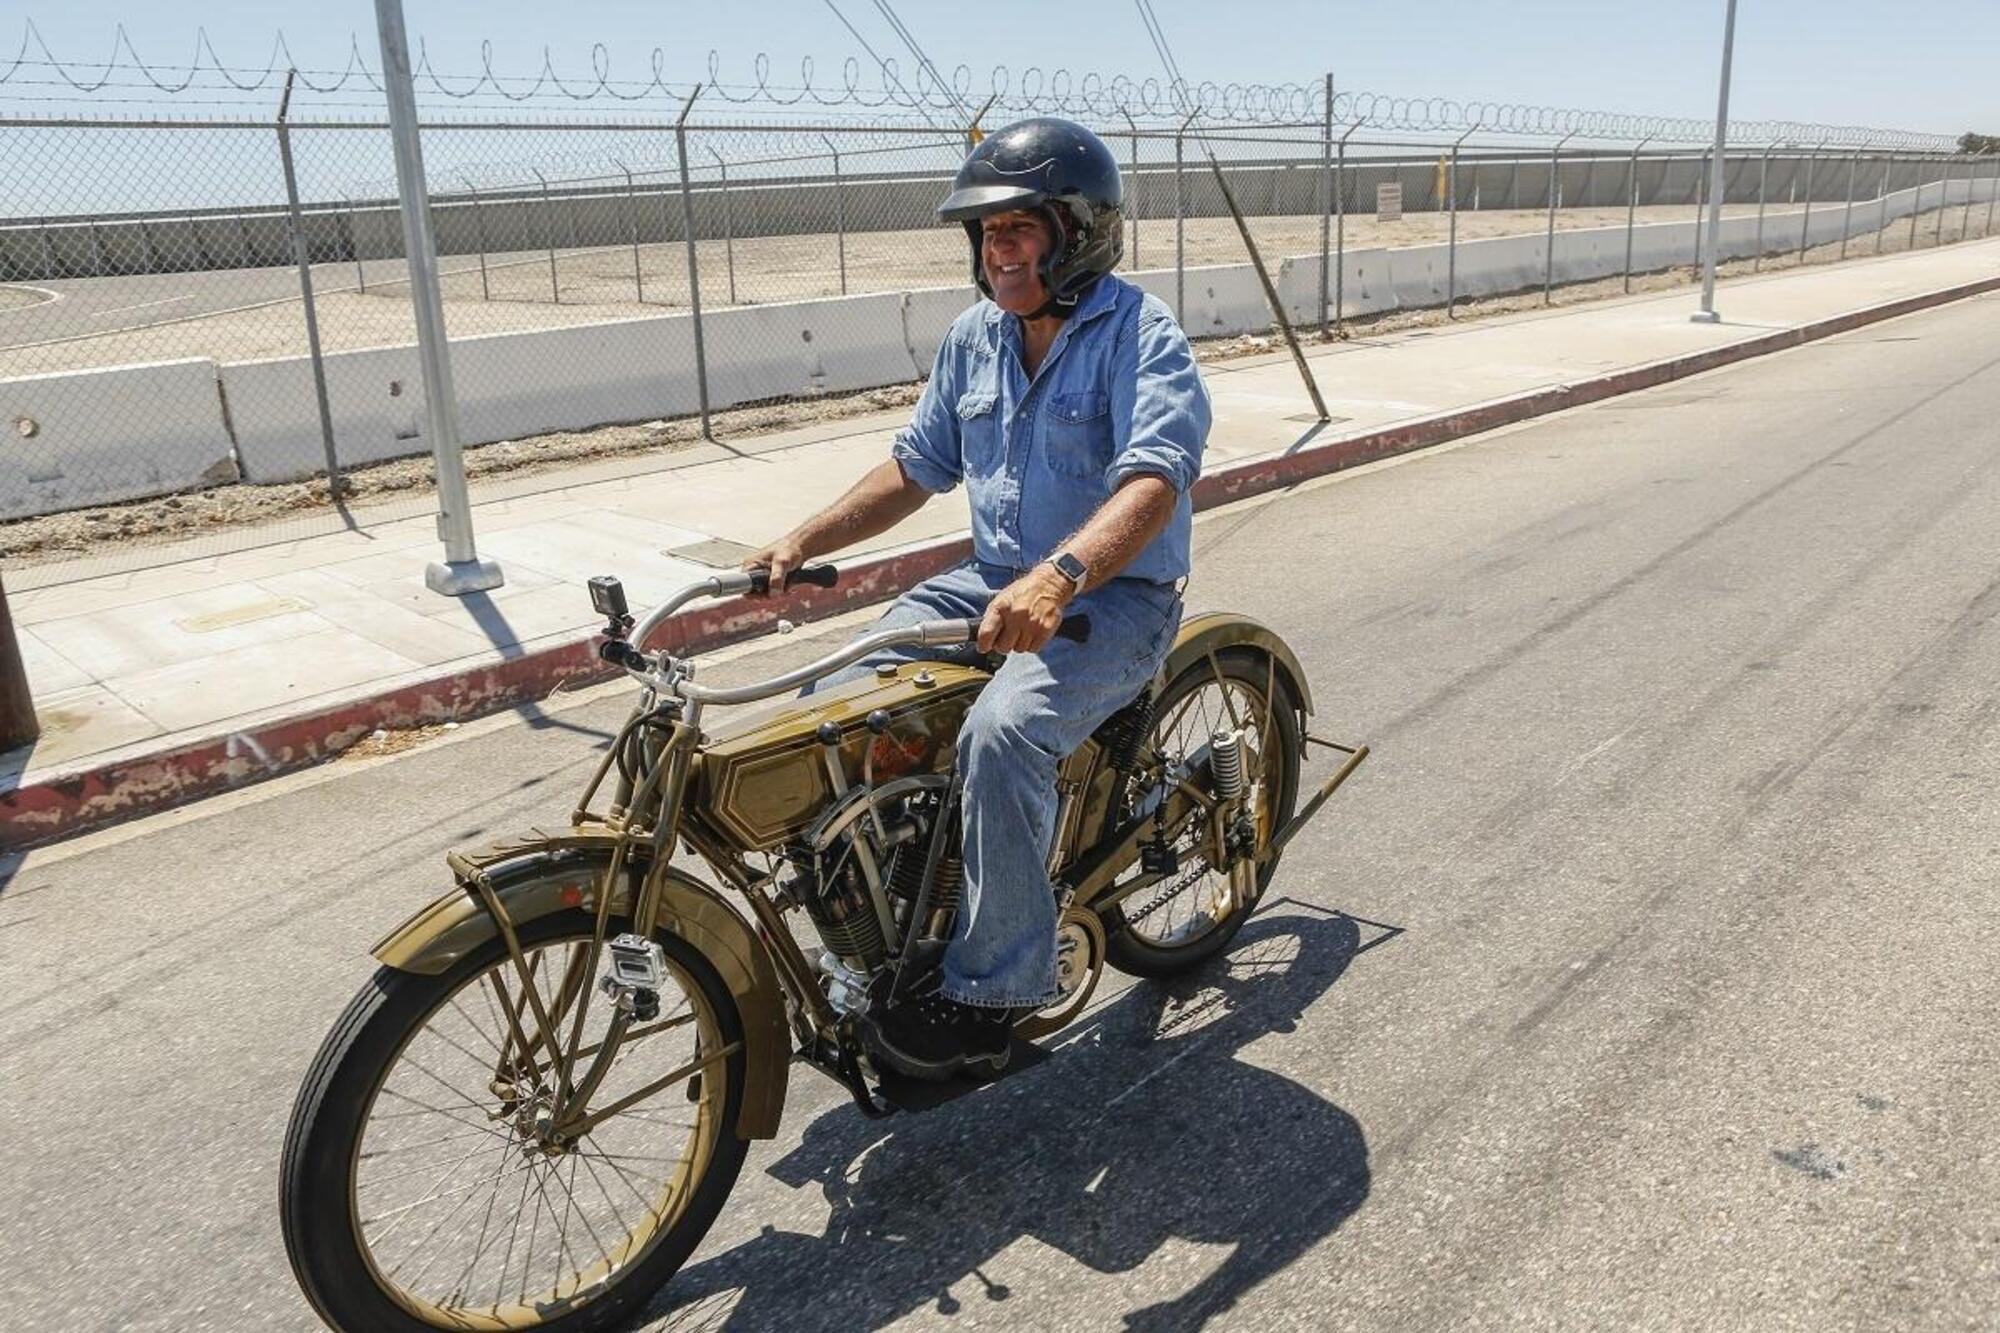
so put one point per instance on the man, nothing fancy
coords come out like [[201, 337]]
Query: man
[[1069, 404]]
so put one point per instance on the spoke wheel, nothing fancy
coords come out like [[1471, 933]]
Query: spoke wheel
[[1190, 915], [424, 1185]]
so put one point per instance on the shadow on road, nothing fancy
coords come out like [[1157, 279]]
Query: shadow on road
[[1143, 1129]]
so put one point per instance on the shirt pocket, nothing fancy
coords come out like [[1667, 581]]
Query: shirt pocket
[[1078, 426], [979, 430]]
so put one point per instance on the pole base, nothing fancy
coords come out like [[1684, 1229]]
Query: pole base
[[458, 577], [1705, 317]]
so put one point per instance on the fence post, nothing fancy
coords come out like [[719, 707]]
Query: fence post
[[97, 248], [1763, 177], [1986, 228], [549, 235], [694, 268], [1132, 194], [632, 226], [49, 251], [839, 211], [1451, 245], [301, 256], [479, 234], [1882, 225], [18, 725], [728, 223], [1632, 207], [1326, 202], [1180, 223], [1340, 226], [1916, 204], [1805, 218], [1701, 202], [1847, 217], [1549, 245], [1944, 201], [354, 244], [462, 571]]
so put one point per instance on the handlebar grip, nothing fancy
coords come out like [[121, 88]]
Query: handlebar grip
[[942, 633], [817, 576], [1074, 628]]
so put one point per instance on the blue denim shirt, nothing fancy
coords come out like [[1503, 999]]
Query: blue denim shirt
[[1118, 394]]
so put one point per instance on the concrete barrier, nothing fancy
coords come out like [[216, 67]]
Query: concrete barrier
[[519, 384], [119, 433]]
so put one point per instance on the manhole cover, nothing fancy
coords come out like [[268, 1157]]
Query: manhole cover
[[716, 553]]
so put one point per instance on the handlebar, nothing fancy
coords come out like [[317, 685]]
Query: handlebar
[[927, 634]]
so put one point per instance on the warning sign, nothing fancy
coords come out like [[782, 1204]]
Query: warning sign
[[1389, 202]]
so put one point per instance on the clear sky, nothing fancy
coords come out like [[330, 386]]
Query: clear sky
[[1930, 65]]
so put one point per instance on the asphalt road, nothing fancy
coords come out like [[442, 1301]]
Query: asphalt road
[[1645, 978]]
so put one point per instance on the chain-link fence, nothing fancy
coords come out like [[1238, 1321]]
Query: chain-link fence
[[214, 315]]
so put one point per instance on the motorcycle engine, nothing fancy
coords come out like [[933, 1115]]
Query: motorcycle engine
[[834, 884]]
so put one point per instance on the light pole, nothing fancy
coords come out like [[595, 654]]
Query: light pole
[[1718, 173], [461, 571]]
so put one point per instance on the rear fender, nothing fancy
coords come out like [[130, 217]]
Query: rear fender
[[1214, 631], [543, 875]]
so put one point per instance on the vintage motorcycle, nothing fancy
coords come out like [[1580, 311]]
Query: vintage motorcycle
[[535, 1109]]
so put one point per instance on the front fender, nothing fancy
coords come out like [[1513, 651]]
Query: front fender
[[542, 875], [1213, 631]]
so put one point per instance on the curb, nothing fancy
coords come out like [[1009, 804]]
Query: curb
[[76, 798]]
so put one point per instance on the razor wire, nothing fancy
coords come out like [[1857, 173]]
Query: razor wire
[[1034, 90]]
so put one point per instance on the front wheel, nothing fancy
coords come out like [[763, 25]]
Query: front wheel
[[421, 1189], [1190, 915]]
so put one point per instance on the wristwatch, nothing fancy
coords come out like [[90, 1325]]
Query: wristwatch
[[1070, 568]]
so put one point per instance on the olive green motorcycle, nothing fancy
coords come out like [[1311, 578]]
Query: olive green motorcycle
[[537, 1106]]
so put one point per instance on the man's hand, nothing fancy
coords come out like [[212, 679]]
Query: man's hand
[[781, 557], [1024, 615]]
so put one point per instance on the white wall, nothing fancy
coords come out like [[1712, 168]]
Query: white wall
[[118, 433]]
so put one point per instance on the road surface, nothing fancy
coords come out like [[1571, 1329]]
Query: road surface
[[1644, 979]]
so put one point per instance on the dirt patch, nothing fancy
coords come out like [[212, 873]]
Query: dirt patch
[[383, 741]]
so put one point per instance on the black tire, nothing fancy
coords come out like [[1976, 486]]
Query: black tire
[[316, 1192], [1129, 947]]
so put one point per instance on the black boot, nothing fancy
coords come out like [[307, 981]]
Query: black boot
[[931, 1037]]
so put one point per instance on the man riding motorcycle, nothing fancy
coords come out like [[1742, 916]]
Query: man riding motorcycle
[[1069, 403]]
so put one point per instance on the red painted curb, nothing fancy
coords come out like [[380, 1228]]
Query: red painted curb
[[72, 801]]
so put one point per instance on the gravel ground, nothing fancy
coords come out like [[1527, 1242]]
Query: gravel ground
[[57, 537]]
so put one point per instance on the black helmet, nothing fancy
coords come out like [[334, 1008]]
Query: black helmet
[[1061, 170]]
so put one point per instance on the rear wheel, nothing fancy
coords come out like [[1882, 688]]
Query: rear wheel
[[416, 1191], [1191, 914]]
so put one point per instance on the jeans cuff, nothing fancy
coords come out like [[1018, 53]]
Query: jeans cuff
[[957, 993]]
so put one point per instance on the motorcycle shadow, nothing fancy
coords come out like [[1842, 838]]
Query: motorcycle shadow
[[1143, 1131]]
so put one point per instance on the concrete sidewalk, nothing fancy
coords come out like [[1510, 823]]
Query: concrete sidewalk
[[277, 656]]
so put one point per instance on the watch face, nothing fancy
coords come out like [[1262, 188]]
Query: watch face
[[1070, 567]]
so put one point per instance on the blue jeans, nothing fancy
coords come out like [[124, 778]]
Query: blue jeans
[[1038, 708]]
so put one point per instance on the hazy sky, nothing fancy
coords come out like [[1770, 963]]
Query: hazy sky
[[1920, 64]]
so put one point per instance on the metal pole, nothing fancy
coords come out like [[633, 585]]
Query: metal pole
[[549, 235], [1882, 225], [1632, 207], [1132, 191], [48, 251], [694, 269], [1549, 245], [18, 724], [1270, 290], [1986, 228], [462, 570], [301, 255], [1326, 210], [1847, 217], [1805, 218], [479, 232], [1180, 221], [1451, 247], [728, 223], [97, 248], [1340, 226], [839, 211], [1701, 201], [354, 243], [1944, 201], [1763, 177], [632, 226], [1720, 158], [1916, 204]]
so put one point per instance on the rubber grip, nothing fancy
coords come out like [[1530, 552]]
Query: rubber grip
[[817, 576]]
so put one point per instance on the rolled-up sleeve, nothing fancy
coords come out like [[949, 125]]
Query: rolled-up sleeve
[[1159, 406], [928, 449]]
